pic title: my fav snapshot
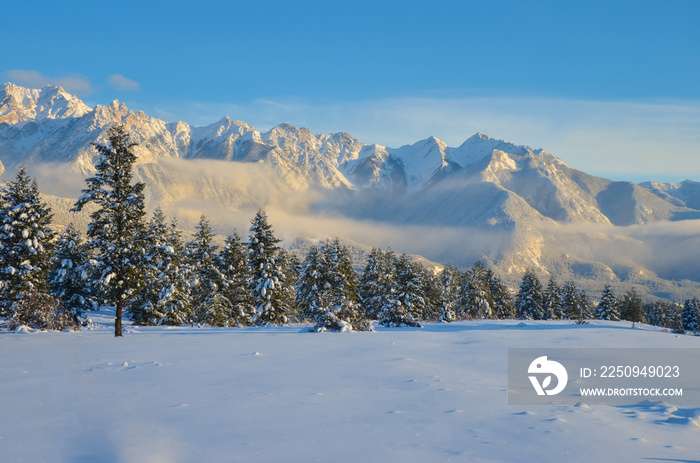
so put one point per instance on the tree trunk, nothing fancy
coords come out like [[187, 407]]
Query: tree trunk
[[118, 319]]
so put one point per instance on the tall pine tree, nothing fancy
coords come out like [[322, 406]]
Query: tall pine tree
[[477, 293], [207, 279], [631, 308], [585, 311], [70, 278], [657, 313], [391, 291], [449, 280], [326, 289], [409, 287], [312, 288], [608, 308], [502, 301], [233, 263], [551, 300], [690, 315], [145, 308], [290, 267], [116, 232], [432, 293], [375, 282], [379, 288], [343, 278], [26, 240], [174, 300], [529, 298], [267, 275], [571, 305]]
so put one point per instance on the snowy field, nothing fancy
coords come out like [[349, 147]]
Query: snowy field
[[431, 394]]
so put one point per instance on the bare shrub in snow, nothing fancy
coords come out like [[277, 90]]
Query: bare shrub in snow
[[41, 311]]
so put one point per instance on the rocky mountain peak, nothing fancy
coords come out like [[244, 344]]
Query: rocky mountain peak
[[19, 104]]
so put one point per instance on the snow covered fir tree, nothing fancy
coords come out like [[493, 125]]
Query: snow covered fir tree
[[146, 271], [326, 290], [376, 282], [267, 275], [448, 283], [235, 281], [210, 306], [552, 304], [529, 301], [116, 234], [144, 309], [608, 307], [173, 282], [72, 274], [477, 293], [166, 299], [311, 287], [26, 241], [632, 308], [690, 315]]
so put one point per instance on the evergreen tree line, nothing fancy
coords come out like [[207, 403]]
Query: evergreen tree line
[[51, 280], [147, 271], [567, 302]]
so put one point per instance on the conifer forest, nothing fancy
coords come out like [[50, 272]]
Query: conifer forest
[[145, 268]]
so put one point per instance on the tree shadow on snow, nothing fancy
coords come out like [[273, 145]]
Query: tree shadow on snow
[[667, 413], [671, 459], [529, 325]]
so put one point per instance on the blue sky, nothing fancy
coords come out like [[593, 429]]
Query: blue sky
[[611, 87]]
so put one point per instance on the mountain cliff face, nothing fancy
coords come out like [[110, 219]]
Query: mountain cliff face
[[485, 184]]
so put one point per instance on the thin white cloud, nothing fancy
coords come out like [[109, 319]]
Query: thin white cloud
[[73, 83], [124, 84]]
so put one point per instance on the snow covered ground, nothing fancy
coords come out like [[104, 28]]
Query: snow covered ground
[[431, 394]]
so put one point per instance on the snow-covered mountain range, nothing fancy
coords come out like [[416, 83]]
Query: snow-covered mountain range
[[511, 205]]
